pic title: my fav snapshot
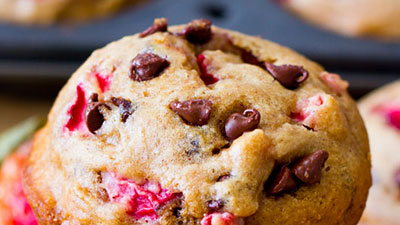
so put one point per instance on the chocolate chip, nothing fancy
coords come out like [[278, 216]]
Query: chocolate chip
[[397, 177], [215, 205], [125, 107], [147, 66], [282, 180], [237, 123], [177, 212], [94, 117], [195, 112], [160, 24], [249, 58], [198, 31], [290, 76], [309, 169], [94, 98], [223, 177]]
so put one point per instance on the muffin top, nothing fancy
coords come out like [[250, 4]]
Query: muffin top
[[195, 124], [379, 19], [52, 11], [381, 112]]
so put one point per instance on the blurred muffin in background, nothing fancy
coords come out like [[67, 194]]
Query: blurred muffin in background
[[50, 11], [377, 18], [381, 113], [14, 208]]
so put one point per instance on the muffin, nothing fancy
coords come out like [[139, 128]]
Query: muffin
[[374, 18], [195, 124], [50, 11], [14, 208], [381, 112]]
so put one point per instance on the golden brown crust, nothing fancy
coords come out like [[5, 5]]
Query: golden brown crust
[[62, 175]]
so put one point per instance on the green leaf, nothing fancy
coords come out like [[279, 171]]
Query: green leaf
[[12, 138]]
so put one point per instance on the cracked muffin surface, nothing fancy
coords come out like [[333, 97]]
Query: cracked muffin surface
[[195, 124], [380, 19]]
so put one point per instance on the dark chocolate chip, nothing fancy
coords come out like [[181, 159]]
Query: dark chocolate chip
[[147, 66], [125, 107], [159, 25], [215, 205], [195, 112], [177, 212], [94, 117], [93, 98], [223, 177], [290, 76], [198, 31], [237, 123], [397, 177], [249, 58], [282, 180], [309, 168]]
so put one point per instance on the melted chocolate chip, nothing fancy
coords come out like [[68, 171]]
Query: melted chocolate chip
[[93, 98], [125, 107], [290, 76], [309, 168], [198, 31], [237, 123], [94, 117], [159, 25], [147, 66], [249, 58], [282, 180], [194, 112], [215, 205]]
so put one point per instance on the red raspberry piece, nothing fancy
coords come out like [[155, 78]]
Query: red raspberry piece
[[141, 200], [221, 219], [393, 117], [391, 112], [204, 75], [77, 111], [335, 82], [104, 81], [306, 109]]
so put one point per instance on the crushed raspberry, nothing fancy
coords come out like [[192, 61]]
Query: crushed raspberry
[[205, 76], [77, 111], [142, 201], [335, 82], [305, 110], [21, 211], [393, 118], [103, 81], [221, 219], [391, 112]]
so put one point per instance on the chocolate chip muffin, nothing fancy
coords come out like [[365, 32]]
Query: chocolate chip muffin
[[50, 11], [381, 111], [195, 124], [351, 17]]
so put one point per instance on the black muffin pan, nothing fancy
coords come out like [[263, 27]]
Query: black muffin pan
[[38, 55]]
